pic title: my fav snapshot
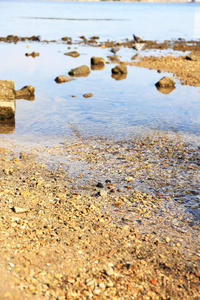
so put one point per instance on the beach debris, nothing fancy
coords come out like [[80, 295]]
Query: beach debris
[[120, 69], [63, 78], [82, 71]]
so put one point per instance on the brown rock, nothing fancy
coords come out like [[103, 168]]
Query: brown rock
[[165, 82], [97, 61], [63, 78], [7, 99], [33, 54], [72, 54], [27, 93], [120, 69], [82, 71], [88, 95]]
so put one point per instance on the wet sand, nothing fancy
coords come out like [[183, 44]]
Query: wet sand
[[82, 230], [106, 222]]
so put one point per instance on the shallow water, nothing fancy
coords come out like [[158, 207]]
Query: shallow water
[[118, 109]]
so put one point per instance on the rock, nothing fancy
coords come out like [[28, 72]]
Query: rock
[[80, 71], [97, 61], [72, 54], [120, 69], [99, 185], [7, 99], [109, 271], [63, 78], [27, 93], [19, 210], [88, 95], [165, 82], [33, 54]]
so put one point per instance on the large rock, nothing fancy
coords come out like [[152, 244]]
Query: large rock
[[27, 93], [120, 69], [97, 61], [7, 99], [165, 82], [82, 71]]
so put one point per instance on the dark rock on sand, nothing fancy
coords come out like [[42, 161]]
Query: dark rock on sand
[[72, 54], [120, 69], [63, 78], [97, 61], [27, 93], [82, 71], [165, 82], [99, 185]]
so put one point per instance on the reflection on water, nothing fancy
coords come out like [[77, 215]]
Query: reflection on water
[[7, 126], [165, 90]]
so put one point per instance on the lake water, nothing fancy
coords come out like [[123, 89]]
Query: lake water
[[117, 108]]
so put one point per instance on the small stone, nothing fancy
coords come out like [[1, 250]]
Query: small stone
[[96, 291], [165, 82], [97, 61], [109, 271], [19, 210], [72, 54], [82, 71], [88, 95], [120, 69], [167, 239], [99, 185], [63, 78]]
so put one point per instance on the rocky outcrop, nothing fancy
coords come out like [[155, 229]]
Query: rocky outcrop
[[27, 93], [82, 71], [120, 69], [7, 99], [165, 82]]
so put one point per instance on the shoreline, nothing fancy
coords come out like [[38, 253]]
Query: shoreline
[[96, 232], [100, 218]]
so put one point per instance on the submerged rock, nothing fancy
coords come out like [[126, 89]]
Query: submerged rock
[[120, 69], [63, 78], [72, 54], [82, 71], [165, 82]]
